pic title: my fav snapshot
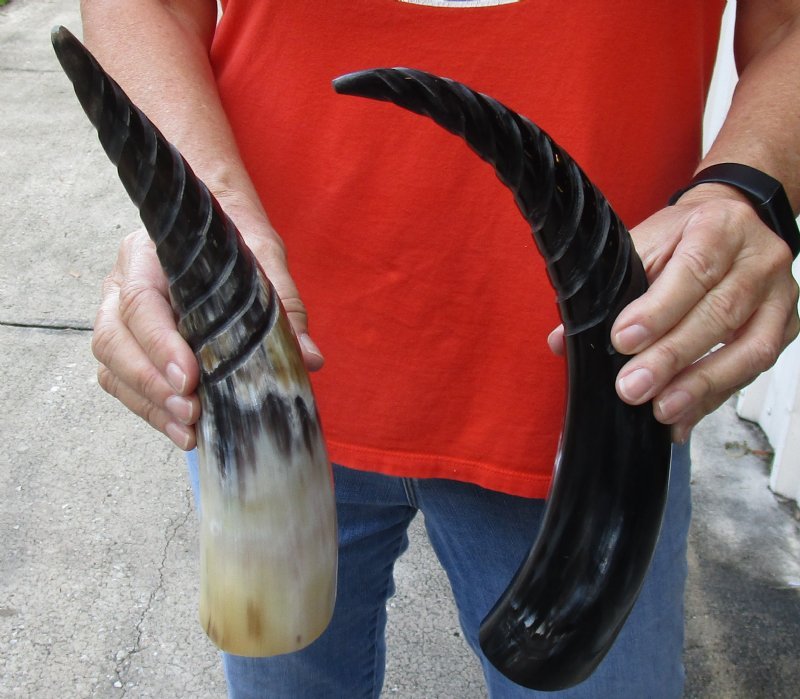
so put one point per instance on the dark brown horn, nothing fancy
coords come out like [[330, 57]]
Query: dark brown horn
[[568, 601]]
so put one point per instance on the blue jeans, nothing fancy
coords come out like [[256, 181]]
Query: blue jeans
[[480, 538]]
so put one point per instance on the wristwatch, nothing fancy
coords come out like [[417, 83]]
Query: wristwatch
[[765, 193]]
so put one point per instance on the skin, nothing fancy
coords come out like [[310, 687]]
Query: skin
[[722, 303]]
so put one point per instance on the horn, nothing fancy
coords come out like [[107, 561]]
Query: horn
[[268, 538], [569, 599]]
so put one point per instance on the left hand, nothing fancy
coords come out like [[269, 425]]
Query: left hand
[[721, 307]]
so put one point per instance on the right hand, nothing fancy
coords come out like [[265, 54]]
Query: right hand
[[144, 362]]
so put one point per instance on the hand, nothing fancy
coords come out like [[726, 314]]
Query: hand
[[144, 362], [721, 307]]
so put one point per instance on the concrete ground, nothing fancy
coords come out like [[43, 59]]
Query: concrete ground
[[98, 574]]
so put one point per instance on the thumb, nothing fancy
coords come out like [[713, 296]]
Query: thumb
[[298, 318], [268, 249], [311, 355], [277, 272]]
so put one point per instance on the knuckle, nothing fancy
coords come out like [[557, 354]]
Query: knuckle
[[105, 327], [669, 358], [794, 298], [154, 340], [706, 385], [150, 384], [109, 285], [723, 310], [782, 257], [131, 243], [786, 307], [103, 341], [130, 239], [107, 380], [294, 305], [153, 415], [140, 302], [792, 330], [701, 264], [98, 343], [132, 297], [762, 353], [775, 255], [137, 403], [271, 253]]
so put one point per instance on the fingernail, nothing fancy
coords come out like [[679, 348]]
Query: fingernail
[[180, 408], [176, 377], [178, 434], [675, 403], [308, 345], [635, 386], [557, 334], [681, 433], [631, 339]]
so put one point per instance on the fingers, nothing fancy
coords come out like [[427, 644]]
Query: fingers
[[311, 355], [706, 384], [725, 279], [268, 248], [182, 435], [707, 248], [144, 361]]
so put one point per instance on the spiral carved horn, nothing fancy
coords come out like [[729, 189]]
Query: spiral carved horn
[[268, 520], [568, 601]]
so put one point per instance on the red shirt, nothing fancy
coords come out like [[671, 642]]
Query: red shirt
[[424, 288]]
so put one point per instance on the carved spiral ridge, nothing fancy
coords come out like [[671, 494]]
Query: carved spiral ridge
[[212, 274], [569, 599], [584, 244]]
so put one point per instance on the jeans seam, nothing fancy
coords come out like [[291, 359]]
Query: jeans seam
[[374, 629], [410, 490]]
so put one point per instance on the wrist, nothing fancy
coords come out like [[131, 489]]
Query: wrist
[[252, 223], [709, 190], [764, 193]]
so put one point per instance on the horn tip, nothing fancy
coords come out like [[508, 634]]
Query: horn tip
[[61, 38], [373, 82], [350, 83], [70, 52]]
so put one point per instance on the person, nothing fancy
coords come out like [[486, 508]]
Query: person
[[438, 395]]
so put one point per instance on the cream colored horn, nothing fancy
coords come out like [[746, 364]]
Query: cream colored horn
[[268, 538]]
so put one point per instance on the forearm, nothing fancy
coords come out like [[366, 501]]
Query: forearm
[[761, 128], [159, 53], [722, 303]]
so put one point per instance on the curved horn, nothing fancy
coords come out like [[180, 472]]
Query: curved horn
[[566, 604], [268, 520]]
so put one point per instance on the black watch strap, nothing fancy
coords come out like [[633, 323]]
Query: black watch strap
[[765, 193]]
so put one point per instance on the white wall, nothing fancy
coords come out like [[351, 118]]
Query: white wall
[[773, 400]]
